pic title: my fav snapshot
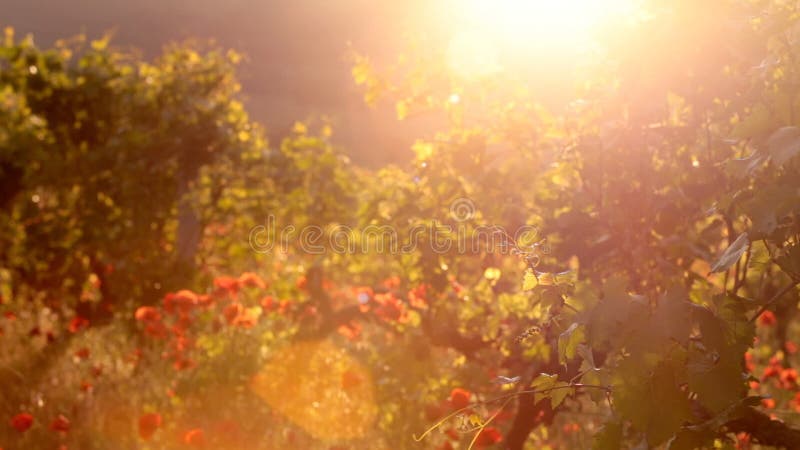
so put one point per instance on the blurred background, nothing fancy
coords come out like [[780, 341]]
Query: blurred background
[[296, 51], [297, 65]]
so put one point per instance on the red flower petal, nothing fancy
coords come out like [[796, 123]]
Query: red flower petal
[[60, 424], [195, 437], [459, 398], [21, 422], [148, 424]]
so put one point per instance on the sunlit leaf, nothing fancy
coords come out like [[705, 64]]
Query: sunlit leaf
[[784, 144], [731, 254], [530, 281]]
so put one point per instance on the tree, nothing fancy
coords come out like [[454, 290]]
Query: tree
[[648, 303]]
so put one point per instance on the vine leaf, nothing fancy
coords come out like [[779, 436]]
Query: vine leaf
[[784, 144], [568, 342], [530, 281], [731, 254], [609, 437], [743, 167], [555, 390], [789, 261]]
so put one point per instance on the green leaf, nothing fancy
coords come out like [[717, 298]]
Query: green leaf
[[557, 396], [568, 342], [789, 261], [743, 167], [784, 144], [596, 377], [714, 367], [731, 254], [673, 315], [556, 390], [529, 281], [671, 404], [609, 437], [587, 356], [689, 440], [768, 207], [756, 125]]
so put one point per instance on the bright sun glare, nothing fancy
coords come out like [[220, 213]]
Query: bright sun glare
[[489, 27]]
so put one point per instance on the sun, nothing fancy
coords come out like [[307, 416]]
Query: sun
[[486, 28]]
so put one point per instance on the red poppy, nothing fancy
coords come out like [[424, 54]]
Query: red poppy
[[82, 353], [229, 284], [417, 297], [351, 330], [21, 422], [195, 437], [390, 308], [250, 279], [392, 282], [182, 364], [148, 424], [767, 318], [232, 311], [488, 436], [268, 303], [789, 378], [78, 323], [350, 379], [147, 314], [60, 424], [459, 398]]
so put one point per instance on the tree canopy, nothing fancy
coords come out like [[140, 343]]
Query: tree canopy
[[618, 273]]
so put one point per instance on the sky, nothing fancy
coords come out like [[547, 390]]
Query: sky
[[296, 66]]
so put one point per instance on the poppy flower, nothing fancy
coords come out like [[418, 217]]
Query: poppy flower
[[767, 318], [417, 297], [390, 308], [250, 279], [232, 311], [350, 379], [147, 314], [459, 398], [268, 303], [60, 424], [195, 437], [78, 323], [229, 284], [148, 424], [488, 436], [788, 378], [21, 422], [350, 330]]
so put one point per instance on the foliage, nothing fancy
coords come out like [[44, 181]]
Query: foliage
[[653, 306]]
